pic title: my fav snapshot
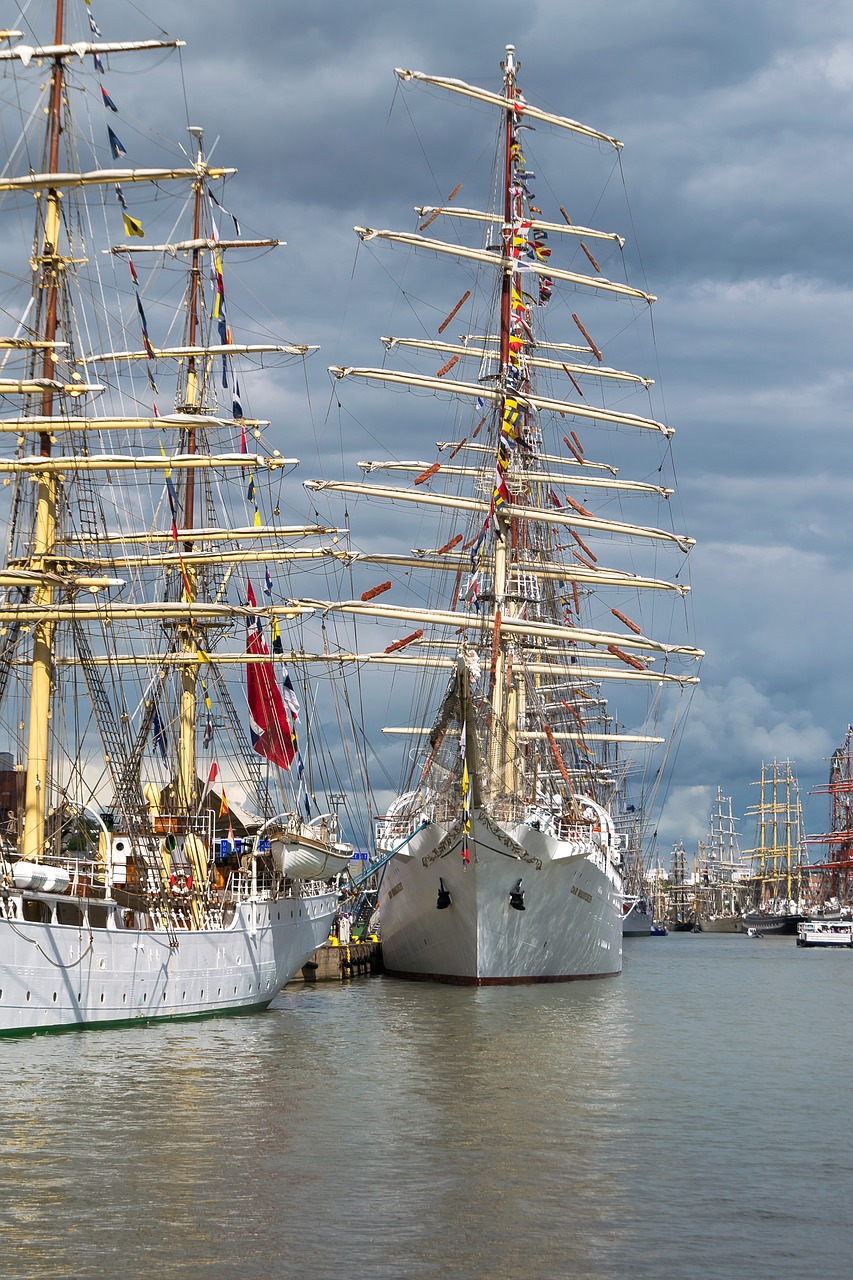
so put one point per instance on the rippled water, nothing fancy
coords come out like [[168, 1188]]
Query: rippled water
[[691, 1118]]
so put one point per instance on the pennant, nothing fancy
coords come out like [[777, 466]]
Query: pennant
[[108, 102], [237, 410], [120, 197], [132, 226], [159, 736], [134, 277], [99, 66], [115, 145], [224, 210], [149, 350], [211, 777], [466, 797], [288, 694], [267, 584], [223, 810], [93, 26], [277, 646]]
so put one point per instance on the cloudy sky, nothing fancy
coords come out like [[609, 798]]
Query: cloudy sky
[[736, 119]]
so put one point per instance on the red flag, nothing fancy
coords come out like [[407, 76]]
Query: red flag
[[268, 722]]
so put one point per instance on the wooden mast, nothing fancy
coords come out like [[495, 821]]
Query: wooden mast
[[44, 547], [187, 769]]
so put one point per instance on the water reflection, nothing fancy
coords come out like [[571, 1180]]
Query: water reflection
[[590, 1129]]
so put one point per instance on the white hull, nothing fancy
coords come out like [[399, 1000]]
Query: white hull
[[638, 921], [825, 933], [55, 976], [571, 926]]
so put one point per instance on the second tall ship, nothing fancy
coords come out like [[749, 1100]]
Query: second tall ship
[[502, 863]]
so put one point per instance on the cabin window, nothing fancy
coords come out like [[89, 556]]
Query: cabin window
[[37, 912], [97, 916], [68, 913]]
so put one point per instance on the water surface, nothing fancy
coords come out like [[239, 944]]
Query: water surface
[[690, 1118]]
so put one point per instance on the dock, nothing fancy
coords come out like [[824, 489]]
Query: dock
[[336, 961]]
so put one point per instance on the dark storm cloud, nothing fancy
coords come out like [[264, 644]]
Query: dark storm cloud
[[736, 120]]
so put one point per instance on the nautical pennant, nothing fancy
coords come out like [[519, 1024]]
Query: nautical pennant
[[133, 226], [116, 146], [159, 735], [466, 796]]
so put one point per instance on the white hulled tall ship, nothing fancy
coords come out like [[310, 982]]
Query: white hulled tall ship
[[501, 859], [141, 682]]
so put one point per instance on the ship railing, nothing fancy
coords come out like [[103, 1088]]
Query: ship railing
[[241, 887], [389, 832]]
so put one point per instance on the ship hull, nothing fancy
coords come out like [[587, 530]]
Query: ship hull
[[570, 927], [769, 923], [637, 923], [721, 924], [56, 977]]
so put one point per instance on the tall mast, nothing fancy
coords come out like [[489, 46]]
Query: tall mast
[[42, 561], [499, 740], [187, 769]]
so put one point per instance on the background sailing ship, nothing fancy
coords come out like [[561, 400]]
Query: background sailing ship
[[830, 883], [501, 858], [775, 884], [163, 853], [719, 891]]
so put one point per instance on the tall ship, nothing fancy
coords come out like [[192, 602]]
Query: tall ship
[[500, 857], [720, 870], [160, 853], [775, 884], [830, 888], [637, 906], [681, 913]]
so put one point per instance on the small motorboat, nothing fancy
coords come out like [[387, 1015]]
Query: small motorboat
[[754, 933]]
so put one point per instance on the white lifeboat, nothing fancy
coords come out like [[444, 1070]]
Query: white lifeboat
[[40, 876]]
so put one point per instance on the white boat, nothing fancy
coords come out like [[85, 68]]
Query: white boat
[[501, 860], [825, 933], [131, 640]]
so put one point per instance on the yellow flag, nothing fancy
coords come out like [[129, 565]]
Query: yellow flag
[[132, 227]]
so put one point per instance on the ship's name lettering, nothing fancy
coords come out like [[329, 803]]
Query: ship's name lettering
[[581, 893]]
